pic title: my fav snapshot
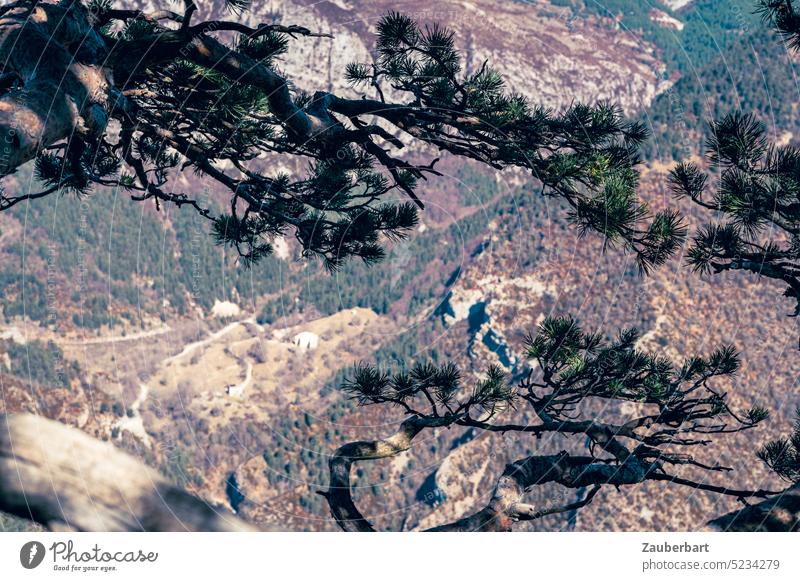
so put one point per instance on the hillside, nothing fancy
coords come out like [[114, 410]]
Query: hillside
[[132, 325], [687, 34], [762, 82]]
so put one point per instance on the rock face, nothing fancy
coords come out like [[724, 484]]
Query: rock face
[[482, 303], [663, 19], [679, 313], [677, 4], [12, 334], [543, 51]]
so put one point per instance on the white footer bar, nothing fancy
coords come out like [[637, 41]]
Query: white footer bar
[[401, 556]]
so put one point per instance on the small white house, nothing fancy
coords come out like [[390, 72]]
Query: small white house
[[13, 334], [306, 340], [225, 309], [235, 390]]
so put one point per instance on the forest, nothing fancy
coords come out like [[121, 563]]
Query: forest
[[416, 295]]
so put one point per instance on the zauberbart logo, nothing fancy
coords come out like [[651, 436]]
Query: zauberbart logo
[[32, 554]]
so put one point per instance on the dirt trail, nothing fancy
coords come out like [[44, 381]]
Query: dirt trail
[[191, 347], [134, 424], [238, 390], [119, 338]]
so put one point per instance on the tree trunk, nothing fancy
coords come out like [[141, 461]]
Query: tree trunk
[[53, 86], [780, 513]]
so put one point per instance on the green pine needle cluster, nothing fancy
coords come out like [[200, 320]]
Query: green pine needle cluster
[[756, 195], [586, 155], [782, 17], [576, 364], [783, 455], [570, 367]]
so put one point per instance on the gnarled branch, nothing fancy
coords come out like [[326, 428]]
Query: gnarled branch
[[573, 367], [781, 513]]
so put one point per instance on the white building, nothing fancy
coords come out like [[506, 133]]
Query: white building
[[225, 309], [306, 340]]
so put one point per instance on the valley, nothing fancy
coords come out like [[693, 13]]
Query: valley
[[243, 409]]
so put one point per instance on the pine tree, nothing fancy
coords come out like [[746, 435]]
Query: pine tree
[[783, 18], [99, 96], [783, 454], [207, 97], [678, 409], [756, 193]]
